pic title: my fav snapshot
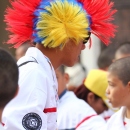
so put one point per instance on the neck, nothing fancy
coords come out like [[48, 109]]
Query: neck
[[52, 54], [128, 112], [1, 110]]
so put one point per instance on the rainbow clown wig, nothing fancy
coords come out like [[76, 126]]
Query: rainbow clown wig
[[54, 22]]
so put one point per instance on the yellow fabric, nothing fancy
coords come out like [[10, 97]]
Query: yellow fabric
[[62, 23], [96, 82]]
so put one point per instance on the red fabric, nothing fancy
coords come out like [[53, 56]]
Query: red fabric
[[125, 123], [84, 120], [3, 124], [46, 110], [19, 21], [107, 117], [101, 13]]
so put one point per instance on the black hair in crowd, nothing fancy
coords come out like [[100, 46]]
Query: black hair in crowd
[[121, 69], [124, 48], [8, 77], [105, 58], [82, 92]]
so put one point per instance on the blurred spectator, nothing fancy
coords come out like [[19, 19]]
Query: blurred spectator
[[105, 58], [74, 113], [77, 74], [123, 50], [20, 51], [8, 80], [93, 91]]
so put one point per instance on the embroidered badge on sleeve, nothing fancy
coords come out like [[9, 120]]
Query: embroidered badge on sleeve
[[32, 121]]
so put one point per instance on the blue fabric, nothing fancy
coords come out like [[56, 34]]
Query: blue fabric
[[62, 94]]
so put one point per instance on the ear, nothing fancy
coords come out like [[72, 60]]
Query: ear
[[67, 78], [91, 98]]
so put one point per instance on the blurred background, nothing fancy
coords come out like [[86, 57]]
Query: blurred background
[[89, 57]]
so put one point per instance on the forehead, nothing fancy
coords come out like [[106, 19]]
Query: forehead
[[71, 45], [120, 55], [112, 76]]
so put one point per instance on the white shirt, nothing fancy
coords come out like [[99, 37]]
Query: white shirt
[[75, 114], [116, 122], [35, 106], [107, 114], [1, 127], [127, 123]]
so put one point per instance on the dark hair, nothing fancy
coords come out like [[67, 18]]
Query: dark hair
[[121, 68], [124, 48], [8, 77], [105, 58], [82, 92]]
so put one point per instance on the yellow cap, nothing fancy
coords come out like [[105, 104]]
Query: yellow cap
[[96, 82]]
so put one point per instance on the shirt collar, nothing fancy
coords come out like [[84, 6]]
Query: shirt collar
[[62, 94]]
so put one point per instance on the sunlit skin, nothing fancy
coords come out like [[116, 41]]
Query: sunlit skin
[[119, 55], [68, 56], [118, 93], [71, 53]]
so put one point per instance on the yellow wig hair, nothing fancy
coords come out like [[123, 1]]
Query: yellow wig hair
[[60, 22]]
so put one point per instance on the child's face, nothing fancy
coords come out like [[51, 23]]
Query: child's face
[[117, 93]]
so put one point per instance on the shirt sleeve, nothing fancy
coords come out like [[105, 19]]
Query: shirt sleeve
[[25, 111]]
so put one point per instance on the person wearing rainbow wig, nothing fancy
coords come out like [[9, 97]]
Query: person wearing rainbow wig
[[59, 28]]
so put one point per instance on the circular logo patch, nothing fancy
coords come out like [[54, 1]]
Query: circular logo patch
[[32, 121]]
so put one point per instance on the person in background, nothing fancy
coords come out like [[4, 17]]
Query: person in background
[[93, 91], [123, 50], [74, 113], [105, 58], [8, 80], [21, 50], [60, 29], [77, 74], [118, 93]]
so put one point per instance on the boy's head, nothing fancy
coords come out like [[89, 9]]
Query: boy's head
[[62, 79], [118, 90], [105, 58], [123, 50], [8, 78]]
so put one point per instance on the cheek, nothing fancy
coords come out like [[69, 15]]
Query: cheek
[[99, 108], [115, 95], [117, 98]]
